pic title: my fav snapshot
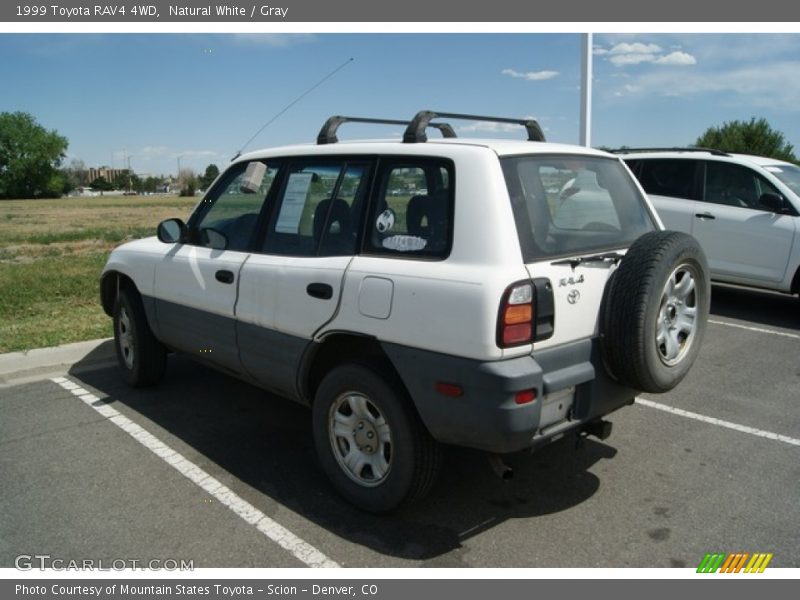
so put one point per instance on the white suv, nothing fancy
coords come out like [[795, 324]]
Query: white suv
[[744, 210], [494, 294]]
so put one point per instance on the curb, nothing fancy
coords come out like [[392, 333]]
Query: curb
[[40, 363]]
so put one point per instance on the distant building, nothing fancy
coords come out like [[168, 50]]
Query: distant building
[[106, 173]]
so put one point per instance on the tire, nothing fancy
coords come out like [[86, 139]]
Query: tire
[[142, 358], [655, 312], [370, 440]]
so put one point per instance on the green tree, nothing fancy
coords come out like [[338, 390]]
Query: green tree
[[137, 184], [101, 184], [67, 181], [748, 137], [30, 157], [188, 182], [212, 171], [127, 181], [151, 184], [121, 181]]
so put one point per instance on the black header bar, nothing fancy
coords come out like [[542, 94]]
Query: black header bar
[[400, 11]]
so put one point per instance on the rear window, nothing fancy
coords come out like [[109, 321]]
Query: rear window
[[568, 205]]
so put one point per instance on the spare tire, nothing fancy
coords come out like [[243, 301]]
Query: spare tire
[[655, 311]]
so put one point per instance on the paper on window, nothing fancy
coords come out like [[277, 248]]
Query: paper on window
[[294, 201], [253, 176]]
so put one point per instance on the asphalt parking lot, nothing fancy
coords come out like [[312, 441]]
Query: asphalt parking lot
[[209, 469]]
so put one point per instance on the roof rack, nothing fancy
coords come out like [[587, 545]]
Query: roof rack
[[415, 132], [711, 151], [327, 135]]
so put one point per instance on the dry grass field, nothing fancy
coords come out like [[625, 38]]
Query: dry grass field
[[51, 255]]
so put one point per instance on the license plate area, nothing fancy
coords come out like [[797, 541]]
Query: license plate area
[[556, 407]]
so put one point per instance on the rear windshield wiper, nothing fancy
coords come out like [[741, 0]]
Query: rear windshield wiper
[[608, 257]]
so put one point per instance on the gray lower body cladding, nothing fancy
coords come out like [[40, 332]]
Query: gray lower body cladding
[[485, 416]]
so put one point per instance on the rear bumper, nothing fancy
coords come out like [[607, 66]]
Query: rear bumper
[[485, 415]]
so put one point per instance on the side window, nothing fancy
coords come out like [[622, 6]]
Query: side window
[[413, 210], [732, 185], [233, 206], [668, 177], [318, 210]]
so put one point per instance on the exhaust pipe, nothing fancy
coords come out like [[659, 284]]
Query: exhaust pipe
[[501, 469]]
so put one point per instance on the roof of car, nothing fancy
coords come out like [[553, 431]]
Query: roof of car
[[706, 153], [434, 146], [761, 160]]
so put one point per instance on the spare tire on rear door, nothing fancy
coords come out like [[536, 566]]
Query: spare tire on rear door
[[655, 311]]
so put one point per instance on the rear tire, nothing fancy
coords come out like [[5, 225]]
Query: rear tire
[[655, 311], [370, 440], [142, 358]]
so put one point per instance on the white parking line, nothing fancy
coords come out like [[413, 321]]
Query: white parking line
[[273, 530], [719, 422], [756, 329]]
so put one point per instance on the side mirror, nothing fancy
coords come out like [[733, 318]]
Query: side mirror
[[774, 202], [172, 231], [211, 238]]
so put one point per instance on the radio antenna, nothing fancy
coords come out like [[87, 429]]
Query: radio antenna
[[292, 103]]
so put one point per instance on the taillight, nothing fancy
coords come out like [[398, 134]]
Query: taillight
[[515, 319]]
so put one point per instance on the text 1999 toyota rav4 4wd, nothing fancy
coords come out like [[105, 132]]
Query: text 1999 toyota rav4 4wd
[[494, 294]]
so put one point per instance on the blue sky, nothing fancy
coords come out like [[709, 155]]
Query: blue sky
[[155, 97]]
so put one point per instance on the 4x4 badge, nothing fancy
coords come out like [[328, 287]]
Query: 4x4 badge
[[573, 296]]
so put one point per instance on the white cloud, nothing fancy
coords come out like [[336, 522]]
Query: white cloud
[[197, 153], [631, 59], [492, 127], [676, 58], [153, 151], [743, 86], [530, 75], [635, 48], [635, 53]]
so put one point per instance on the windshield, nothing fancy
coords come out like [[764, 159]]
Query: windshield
[[570, 205], [788, 174]]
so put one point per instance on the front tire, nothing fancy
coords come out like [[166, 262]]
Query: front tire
[[370, 441], [142, 358]]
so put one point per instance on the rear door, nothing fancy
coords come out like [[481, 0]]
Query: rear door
[[744, 241], [570, 211], [672, 185], [291, 286]]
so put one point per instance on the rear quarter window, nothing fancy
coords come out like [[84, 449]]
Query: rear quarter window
[[567, 205], [412, 214], [667, 177]]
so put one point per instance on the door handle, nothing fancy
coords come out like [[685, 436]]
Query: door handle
[[705, 215], [323, 291], [224, 276]]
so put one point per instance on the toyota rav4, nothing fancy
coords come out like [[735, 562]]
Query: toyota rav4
[[494, 294], [743, 210]]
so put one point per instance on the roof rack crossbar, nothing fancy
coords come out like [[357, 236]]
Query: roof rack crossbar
[[327, 135], [415, 132], [712, 151]]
